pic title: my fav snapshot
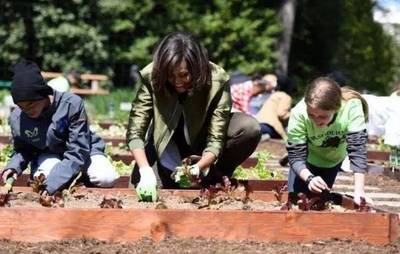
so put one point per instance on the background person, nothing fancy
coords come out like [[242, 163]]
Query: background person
[[244, 92], [64, 83], [274, 114]]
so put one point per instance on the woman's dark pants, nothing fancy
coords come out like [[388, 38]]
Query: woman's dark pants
[[243, 135]]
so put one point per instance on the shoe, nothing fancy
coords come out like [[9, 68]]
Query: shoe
[[265, 137]]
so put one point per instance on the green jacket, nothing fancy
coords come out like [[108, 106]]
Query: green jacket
[[206, 114]]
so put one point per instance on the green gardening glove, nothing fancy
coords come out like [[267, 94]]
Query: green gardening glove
[[147, 186]]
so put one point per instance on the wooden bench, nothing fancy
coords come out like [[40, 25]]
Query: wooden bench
[[94, 80]]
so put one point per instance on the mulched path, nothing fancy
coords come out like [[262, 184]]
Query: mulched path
[[197, 245]]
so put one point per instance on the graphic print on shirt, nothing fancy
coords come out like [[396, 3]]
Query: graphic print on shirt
[[332, 141], [33, 134]]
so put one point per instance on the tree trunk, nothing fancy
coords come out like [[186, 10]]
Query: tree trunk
[[287, 15]]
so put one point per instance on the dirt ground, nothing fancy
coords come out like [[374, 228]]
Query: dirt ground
[[197, 245]]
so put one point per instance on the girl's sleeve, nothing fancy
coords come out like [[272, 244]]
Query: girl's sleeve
[[297, 142], [357, 137]]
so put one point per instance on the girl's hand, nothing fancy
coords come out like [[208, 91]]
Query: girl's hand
[[317, 184], [360, 194]]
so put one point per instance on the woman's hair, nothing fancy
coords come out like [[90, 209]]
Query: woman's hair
[[171, 51], [324, 93]]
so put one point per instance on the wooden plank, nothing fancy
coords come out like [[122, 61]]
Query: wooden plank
[[114, 141], [122, 182], [49, 74], [249, 162], [378, 155], [97, 77], [43, 224], [125, 158], [84, 76], [5, 139], [83, 92]]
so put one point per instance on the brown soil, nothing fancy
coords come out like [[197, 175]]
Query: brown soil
[[167, 201], [94, 199], [196, 245]]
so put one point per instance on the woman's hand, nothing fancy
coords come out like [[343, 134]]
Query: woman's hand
[[197, 165], [147, 186]]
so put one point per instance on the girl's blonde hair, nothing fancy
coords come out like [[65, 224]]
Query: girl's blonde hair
[[324, 93]]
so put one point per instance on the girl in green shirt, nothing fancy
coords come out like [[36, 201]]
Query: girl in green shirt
[[325, 127]]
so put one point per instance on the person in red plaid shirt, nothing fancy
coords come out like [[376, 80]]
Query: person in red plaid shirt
[[243, 92]]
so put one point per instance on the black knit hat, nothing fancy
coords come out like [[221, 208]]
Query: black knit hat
[[28, 84]]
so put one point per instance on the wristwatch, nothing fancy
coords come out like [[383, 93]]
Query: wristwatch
[[309, 178]]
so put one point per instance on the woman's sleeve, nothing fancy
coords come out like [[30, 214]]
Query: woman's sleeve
[[139, 117], [219, 122]]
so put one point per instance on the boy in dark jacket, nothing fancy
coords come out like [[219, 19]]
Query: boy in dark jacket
[[50, 130]]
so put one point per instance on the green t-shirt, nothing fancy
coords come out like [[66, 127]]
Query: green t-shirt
[[327, 145]]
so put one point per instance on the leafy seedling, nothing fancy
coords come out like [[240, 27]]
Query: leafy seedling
[[182, 174], [278, 193], [5, 191], [218, 193], [316, 202], [111, 203], [57, 200], [364, 206], [37, 183]]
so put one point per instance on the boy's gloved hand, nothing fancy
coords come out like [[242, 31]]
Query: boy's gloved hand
[[147, 186]]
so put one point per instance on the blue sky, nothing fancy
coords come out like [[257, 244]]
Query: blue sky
[[389, 2], [393, 14]]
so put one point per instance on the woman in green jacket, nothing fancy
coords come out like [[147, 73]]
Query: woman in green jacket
[[182, 109]]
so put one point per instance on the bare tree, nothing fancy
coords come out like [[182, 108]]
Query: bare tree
[[287, 14]]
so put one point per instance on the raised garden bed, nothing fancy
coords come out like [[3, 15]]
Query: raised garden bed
[[114, 141], [5, 139], [130, 224], [378, 155], [125, 158], [106, 125]]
